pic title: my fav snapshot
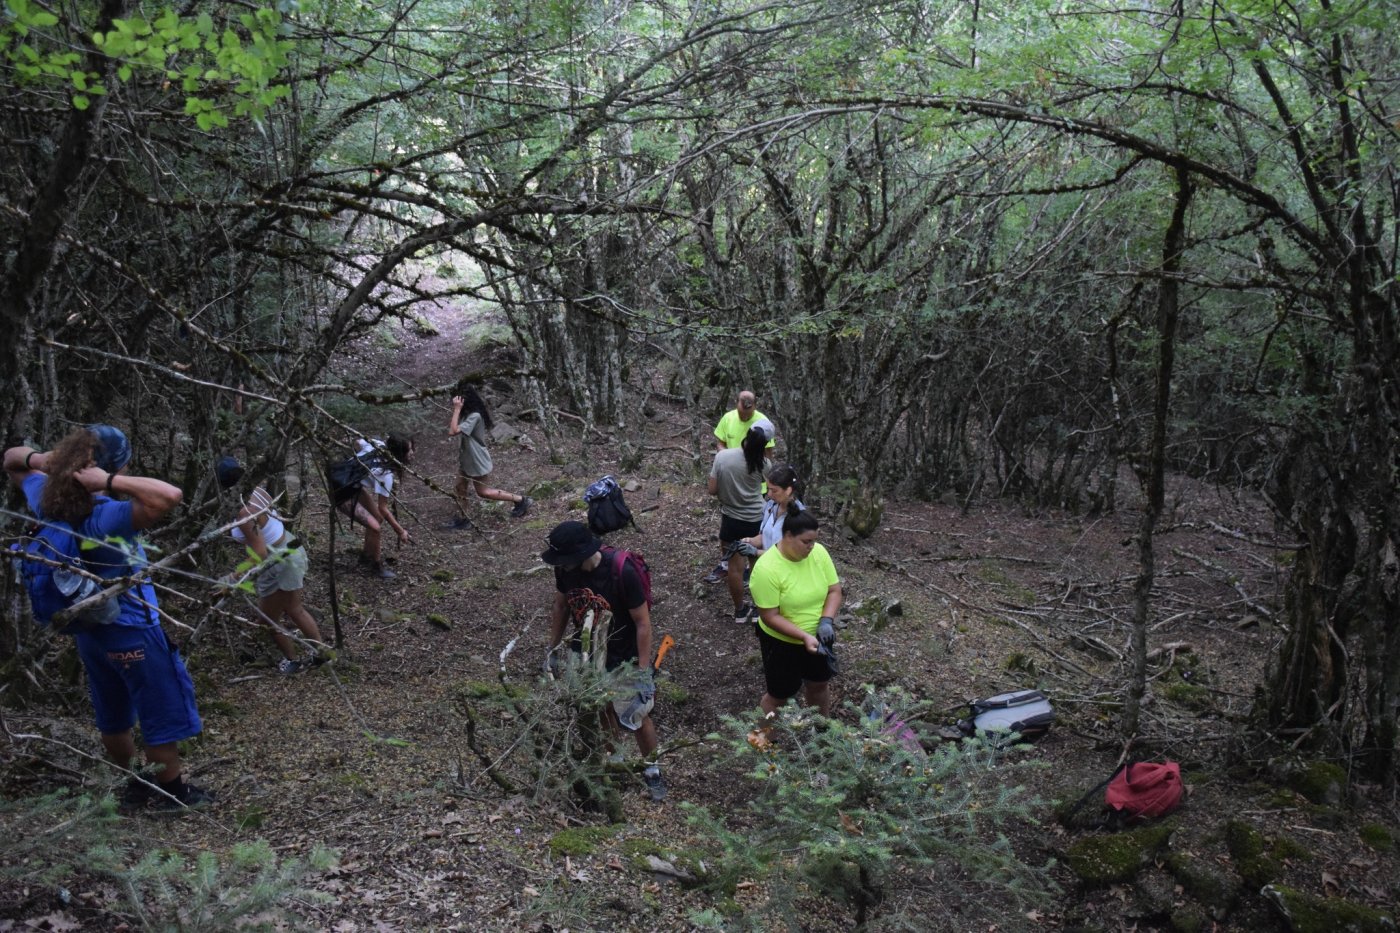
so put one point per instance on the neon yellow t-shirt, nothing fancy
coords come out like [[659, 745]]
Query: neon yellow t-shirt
[[797, 588], [731, 430]]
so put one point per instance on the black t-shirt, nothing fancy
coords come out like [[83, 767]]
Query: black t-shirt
[[623, 592]]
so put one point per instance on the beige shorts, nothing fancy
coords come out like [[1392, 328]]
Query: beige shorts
[[284, 569]]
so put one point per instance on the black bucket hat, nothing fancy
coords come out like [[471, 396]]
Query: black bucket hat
[[570, 544]]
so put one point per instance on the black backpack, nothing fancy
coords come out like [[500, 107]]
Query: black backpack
[[607, 511], [345, 476]]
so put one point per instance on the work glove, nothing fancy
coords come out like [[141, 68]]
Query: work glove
[[826, 631], [743, 548], [550, 668], [833, 663], [646, 685]]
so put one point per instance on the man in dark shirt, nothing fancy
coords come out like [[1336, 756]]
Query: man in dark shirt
[[578, 561]]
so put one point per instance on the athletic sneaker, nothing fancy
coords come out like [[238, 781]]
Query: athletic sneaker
[[719, 573], [656, 787], [743, 614], [521, 507], [380, 571], [290, 666], [136, 795], [189, 796], [457, 524]]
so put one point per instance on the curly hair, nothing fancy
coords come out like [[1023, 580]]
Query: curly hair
[[65, 499]]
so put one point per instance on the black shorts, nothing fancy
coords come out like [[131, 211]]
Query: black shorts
[[786, 666], [732, 529]]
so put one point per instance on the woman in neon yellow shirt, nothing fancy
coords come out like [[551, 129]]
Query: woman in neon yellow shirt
[[795, 588]]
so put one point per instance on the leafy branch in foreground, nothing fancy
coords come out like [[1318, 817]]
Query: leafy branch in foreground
[[48, 840], [556, 747], [843, 810]]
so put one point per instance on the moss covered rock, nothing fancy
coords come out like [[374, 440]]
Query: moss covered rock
[[866, 511], [1306, 913], [1189, 918], [1378, 836], [1203, 881], [579, 840], [1249, 852], [1118, 857], [1322, 782]]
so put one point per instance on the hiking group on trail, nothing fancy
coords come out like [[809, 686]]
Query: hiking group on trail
[[89, 514]]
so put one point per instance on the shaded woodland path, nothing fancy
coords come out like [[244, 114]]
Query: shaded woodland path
[[368, 756]]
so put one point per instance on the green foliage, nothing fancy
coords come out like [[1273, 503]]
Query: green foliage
[[248, 888], [224, 67], [554, 745], [848, 811], [47, 840]]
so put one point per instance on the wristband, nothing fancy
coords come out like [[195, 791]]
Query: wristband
[[110, 477], [27, 457]]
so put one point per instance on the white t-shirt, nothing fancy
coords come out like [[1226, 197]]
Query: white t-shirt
[[380, 479]]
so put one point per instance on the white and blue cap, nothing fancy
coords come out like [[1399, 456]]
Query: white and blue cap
[[113, 449], [764, 426]]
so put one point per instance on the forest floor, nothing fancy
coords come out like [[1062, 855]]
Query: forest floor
[[368, 755]]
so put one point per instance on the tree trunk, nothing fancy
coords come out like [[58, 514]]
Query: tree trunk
[[1153, 472]]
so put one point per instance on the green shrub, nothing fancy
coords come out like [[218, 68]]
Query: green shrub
[[840, 810], [48, 839]]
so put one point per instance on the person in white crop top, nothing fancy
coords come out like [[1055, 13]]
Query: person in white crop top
[[279, 574]]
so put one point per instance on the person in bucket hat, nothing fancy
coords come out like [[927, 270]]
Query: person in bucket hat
[[580, 567]]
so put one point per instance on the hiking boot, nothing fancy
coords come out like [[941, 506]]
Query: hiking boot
[[457, 524], [656, 787], [743, 614], [188, 797], [379, 570], [136, 795], [290, 666], [521, 507], [719, 573]]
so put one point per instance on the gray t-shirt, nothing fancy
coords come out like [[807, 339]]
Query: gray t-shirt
[[473, 459], [740, 492]]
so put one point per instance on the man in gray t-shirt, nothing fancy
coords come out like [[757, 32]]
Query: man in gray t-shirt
[[736, 478]]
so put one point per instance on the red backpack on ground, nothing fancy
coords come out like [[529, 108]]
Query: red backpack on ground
[[1145, 789]]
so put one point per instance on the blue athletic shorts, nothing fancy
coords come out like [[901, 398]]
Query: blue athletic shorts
[[135, 674]]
